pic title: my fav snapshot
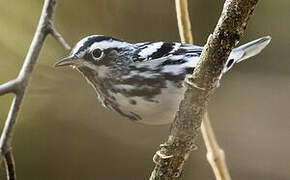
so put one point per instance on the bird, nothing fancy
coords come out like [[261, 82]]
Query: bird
[[143, 81]]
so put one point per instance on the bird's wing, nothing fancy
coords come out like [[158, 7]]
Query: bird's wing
[[158, 53]]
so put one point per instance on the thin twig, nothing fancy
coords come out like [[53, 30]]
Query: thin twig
[[59, 38], [7, 132], [170, 159], [215, 155], [183, 21], [19, 85], [9, 87], [213, 150], [10, 166]]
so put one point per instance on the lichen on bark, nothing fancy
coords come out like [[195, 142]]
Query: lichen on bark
[[170, 158]]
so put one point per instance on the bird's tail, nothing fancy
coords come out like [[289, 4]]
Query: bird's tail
[[246, 51], [252, 48]]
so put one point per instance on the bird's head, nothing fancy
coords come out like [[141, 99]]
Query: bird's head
[[98, 50]]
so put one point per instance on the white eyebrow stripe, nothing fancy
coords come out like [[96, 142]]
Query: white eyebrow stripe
[[108, 44], [144, 53], [79, 45]]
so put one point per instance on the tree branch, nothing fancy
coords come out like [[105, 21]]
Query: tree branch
[[171, 157], [10, 166], [215, 154], [59, 38], [9, 87], [19, 85], [183, 21]]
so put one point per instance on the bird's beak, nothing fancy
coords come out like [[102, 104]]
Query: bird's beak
[[70, 60]]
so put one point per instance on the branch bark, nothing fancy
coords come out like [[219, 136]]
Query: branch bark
[[10, 166], [183, 21], [215, 154], [19, 85], [171, 156]]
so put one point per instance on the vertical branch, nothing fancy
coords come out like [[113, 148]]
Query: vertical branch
[[170, 158], [18, 86], [10, 166], [215, 155], [183, 21], [7, 132]]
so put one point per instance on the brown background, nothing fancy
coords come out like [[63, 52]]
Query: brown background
[[63, 132]]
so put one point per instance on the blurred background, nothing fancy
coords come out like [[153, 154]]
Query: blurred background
[[63, 132]]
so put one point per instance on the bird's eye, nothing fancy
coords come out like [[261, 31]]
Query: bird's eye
[[97, 54]]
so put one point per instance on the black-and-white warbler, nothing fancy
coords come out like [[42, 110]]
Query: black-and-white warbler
[[143, 81]]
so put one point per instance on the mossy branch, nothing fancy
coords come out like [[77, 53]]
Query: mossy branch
[[215, 154], [170, 158]]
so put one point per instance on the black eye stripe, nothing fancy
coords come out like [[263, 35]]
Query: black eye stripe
[[111, 49]]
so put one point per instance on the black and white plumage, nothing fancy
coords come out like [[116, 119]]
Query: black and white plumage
[[143, 81]]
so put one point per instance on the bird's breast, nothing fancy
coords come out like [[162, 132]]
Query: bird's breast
[[150, 109]]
